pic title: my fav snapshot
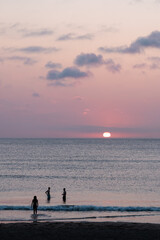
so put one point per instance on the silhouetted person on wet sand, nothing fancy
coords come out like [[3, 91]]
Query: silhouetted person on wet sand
[[64, 195], [34, 205], [48, 194]]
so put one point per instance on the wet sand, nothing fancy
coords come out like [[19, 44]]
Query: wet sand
[[79, 230]]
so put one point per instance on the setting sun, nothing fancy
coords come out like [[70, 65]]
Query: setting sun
[[106, 134]]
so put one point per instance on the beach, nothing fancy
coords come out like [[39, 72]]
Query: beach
[[79, 230]]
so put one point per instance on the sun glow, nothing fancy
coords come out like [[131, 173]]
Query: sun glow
[[107, 134]]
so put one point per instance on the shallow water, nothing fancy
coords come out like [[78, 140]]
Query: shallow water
[[95, 172]]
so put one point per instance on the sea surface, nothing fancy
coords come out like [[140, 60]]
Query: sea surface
[[105, 179]]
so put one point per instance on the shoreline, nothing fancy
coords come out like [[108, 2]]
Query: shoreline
[[79, 231]]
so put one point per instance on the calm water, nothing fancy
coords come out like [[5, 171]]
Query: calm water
[[105, 179]]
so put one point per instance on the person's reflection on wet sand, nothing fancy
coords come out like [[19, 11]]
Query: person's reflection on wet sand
[[34, 217]]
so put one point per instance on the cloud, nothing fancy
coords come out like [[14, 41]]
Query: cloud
[[140, 66], [25, 60], [50, 64], [37, 49], [85, 37], [71, 36], [65, 37], [35, 94], [155, 59], [155, 62], [91, 59], [2, 31], [66, 77], [36, 33], [135, 1], [23, 31], [138, 46], [5, 28], [78, 98], [112, 66], [70, 72], [107, 29]]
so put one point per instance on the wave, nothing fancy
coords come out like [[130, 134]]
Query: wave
[[84, 208]]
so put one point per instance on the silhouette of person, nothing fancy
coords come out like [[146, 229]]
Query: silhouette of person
[[48, 194], [34, 204], [64, 195]]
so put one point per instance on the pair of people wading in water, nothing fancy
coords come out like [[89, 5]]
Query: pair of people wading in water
[[63, 194]]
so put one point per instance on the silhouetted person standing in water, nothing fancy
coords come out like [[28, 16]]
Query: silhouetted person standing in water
[[48, 194], [34, 205], [64, 195]]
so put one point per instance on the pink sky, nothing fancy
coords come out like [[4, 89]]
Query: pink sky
[[78, 68]]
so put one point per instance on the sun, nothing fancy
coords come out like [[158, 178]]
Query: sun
[[107, 134]]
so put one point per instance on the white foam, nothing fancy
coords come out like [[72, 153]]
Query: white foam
[[84, 208]]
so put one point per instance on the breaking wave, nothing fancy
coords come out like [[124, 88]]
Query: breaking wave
[[84, 208]]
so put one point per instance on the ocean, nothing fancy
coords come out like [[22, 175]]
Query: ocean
[[105, 179]]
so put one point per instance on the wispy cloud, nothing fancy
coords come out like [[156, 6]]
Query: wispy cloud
[[36, 95], [24, 32], [91, 59], [155, 62], [138, 46], [72, 36], [1, 60], [112, 66], [37, 49], [78, 98], [53, 65], [25, 60], [107, 29], [36, 33], [135, 1], [140, 66], [5, 28], [2, 31]]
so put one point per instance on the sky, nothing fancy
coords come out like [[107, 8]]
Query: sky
[[78, 68]]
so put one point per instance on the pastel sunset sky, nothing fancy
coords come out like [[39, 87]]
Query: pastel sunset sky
[[78, 68]]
